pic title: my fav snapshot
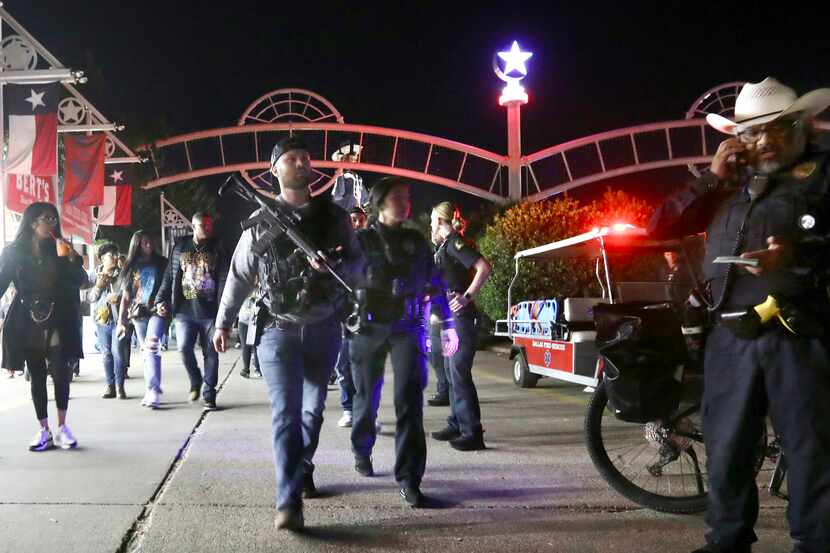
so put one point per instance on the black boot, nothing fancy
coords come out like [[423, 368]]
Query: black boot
[[439, 400], [746, 548], [363, 465], [309, 489], [446, 434], [121, 393], [413, 497], [473, 442], [110, 393]]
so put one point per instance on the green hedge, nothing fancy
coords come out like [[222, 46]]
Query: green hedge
[[528, 225]]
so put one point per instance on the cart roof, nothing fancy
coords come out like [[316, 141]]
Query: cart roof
[[619, 238]]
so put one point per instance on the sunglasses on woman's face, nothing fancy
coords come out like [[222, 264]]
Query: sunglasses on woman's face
[[48, 219]]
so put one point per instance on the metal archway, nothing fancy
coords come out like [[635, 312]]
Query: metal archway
[[422, 157]]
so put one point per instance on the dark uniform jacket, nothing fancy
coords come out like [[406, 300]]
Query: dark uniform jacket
[[455, 258], [794, 205], [401, 276]]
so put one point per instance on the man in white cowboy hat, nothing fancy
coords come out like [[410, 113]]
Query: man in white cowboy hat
[[348, 190], [764, 200]]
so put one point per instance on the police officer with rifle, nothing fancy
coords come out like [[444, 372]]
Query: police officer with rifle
[[765, 207], [393, 298], [304, 251]]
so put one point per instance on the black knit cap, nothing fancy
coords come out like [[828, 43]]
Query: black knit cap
[[286, 144], [382, 187]]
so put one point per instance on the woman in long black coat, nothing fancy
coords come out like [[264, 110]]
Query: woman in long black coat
[[41, 328]]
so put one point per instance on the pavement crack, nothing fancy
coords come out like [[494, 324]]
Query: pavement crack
[[134, 537]]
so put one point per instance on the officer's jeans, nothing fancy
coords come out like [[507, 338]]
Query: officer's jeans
[[465, 412], [788, 377], [344, 374], [187, 330], [407, 348], [296, 363], [436, 359]]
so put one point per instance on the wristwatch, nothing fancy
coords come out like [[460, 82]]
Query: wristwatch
[[469, 296]]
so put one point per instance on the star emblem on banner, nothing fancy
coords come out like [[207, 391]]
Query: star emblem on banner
[[515, 59], [117, 176], [71, 111], [36, 99]]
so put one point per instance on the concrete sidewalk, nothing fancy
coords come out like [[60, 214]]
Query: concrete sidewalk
[[128, 488]]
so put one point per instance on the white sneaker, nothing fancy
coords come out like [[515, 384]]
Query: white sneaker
[[146, 398], [65, 438], [346, 420], [154, 399], [42, 441]]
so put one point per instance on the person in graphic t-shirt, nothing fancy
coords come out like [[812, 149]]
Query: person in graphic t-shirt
[[190, 291], [140, 282]]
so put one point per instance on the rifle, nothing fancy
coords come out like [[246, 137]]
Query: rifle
[[273, 223]]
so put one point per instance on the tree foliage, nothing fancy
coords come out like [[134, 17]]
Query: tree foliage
[[527, 225]]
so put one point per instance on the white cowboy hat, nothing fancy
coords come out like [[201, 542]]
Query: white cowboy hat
[[760, 103], [346, 149]]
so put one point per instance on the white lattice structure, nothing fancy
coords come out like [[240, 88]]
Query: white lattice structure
[[686, 142]]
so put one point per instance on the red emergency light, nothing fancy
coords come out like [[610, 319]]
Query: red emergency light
[[621, 227]]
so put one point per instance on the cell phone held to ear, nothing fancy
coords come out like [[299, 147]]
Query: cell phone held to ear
[[740, 163]]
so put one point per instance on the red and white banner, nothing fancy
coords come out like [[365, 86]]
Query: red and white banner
[[22, 190], [33, 129], [117, 209], [77, 221], [83, 182]]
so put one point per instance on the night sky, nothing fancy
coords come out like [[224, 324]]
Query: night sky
[[425, 67]]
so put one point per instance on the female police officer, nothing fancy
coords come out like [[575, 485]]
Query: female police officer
[[394, 296], [465, 271]]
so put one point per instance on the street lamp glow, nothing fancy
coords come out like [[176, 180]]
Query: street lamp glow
[[511, 67], [513, 92]]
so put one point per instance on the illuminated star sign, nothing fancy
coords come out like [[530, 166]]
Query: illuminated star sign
[[117, 176], [36, 99], [515, 59]]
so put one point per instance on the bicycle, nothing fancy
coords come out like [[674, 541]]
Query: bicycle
[[661, 464]]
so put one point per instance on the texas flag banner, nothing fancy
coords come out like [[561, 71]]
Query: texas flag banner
[[77, 221], [117, 209], [83, 184], [33, 129]]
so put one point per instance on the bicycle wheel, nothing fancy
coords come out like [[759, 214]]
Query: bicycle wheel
[[661, 466]]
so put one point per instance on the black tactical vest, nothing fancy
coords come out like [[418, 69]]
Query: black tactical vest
[[289, 285], [398, 273]]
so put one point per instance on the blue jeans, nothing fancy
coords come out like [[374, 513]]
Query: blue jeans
[[296, 362], [110, 347], [344, 375], [187, 329], [152, 359]]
